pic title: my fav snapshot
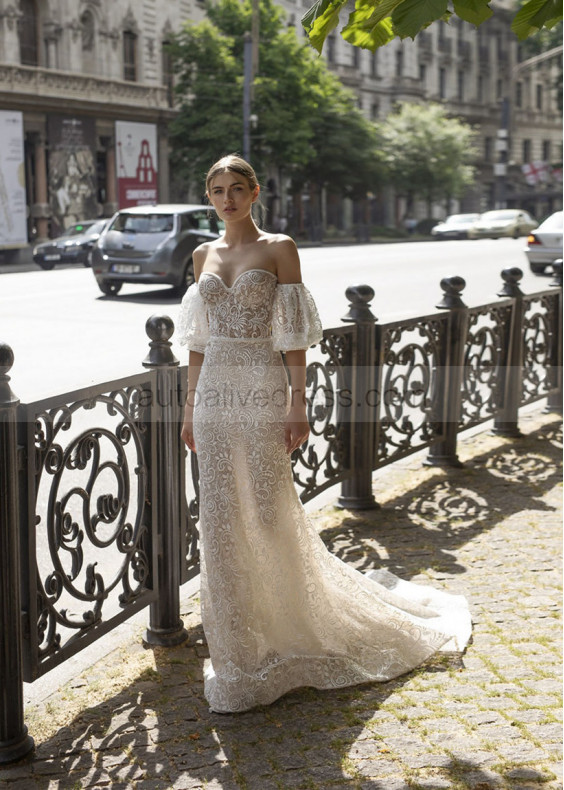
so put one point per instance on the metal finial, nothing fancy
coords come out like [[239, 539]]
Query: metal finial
[[359, 310], [159, 329], [452, 288], [511, 278]]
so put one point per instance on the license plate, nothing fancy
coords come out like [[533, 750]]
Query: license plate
[[54, 257], [126, 268]]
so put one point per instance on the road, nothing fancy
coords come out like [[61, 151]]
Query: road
[[65, 334]]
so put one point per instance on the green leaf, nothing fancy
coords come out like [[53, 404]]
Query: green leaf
[[534, 15], [320, 20], [370, 37], [473, 11], [411, 15], [370, 26]]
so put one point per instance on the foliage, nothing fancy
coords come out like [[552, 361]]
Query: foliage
[[428, 154], [374, 23], [306, 118]]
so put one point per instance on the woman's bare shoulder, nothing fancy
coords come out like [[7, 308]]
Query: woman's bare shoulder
[[286, 257]]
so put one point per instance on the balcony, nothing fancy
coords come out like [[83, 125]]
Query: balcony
[[28, 85]]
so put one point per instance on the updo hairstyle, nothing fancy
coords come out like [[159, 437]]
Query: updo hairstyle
[[232, 164]]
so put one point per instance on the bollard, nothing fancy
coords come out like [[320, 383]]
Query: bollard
[[356, 491], [442, 451], [15, 742], [165, 625], [554, 400], [506, 419]]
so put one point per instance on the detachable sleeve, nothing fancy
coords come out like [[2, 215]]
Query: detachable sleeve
[[192, 327], [295, 320]]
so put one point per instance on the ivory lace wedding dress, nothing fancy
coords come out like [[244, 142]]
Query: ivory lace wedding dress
[[279, 610]]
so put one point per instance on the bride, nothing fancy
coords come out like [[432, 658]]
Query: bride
[[279, 611]]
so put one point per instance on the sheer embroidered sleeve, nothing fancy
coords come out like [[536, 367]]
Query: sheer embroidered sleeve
[[295, 320], [192, 327]]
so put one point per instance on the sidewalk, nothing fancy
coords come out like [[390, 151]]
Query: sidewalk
[[489, 720]]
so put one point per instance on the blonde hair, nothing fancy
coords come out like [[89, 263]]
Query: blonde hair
[[232, 163]]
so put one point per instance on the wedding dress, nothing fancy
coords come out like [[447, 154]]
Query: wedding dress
[[279, 610]]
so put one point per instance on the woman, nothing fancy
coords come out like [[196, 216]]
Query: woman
[[279, 611]]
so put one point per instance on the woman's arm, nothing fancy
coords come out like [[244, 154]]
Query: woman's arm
[[195, 361]]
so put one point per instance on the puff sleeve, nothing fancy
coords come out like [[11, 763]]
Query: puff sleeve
[[192, 328], [295, 320]]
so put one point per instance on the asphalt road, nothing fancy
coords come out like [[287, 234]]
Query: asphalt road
[[65, 334]]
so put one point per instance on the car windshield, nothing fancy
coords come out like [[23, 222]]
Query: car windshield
[[78, 228], [143, 223], [554, 222], [499, 215]]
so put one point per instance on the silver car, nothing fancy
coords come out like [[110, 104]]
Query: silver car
[[455, 226], [544, 245], [152, 245]]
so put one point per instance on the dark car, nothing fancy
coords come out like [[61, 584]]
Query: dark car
[[454, 227], [73, 246], [152, 245]]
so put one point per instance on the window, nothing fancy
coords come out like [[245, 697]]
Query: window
[[526, 150], [480, 88], [546, 150], [460, 85], [28, 33], [356, 58], [488, 149], [422, 72], [331, 49], [539, 96], [166, 68], [499, 89], [374, 64], [442, 83], [88, 41], [129, 56], [519, 94], [399, 62], [375, 111]]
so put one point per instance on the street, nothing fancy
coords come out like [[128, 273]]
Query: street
[[65, 334]]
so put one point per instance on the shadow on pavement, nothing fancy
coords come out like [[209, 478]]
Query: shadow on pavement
[[423, 528]]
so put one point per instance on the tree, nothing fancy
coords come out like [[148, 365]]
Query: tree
[[374, 23], [294, 96], [428, 154]]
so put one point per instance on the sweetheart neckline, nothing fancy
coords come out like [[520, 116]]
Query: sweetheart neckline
[[230, 287]]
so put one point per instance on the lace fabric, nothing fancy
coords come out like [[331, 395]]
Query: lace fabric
[[279, 610]]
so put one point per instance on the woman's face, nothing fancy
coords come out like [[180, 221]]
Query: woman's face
[[231, 196]]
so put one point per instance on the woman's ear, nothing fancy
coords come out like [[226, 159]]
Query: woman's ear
[[256, 192]]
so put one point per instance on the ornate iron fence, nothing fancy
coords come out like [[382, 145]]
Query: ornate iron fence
[[97, 503]]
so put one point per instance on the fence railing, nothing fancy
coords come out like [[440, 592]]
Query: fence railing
[[99, 510]]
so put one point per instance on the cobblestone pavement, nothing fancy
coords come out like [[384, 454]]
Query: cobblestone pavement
[[489, 719]]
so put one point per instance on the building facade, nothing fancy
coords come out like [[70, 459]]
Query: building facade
[[86, 88]]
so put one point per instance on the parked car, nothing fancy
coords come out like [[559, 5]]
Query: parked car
[[502, 222], [73, 246], [454, 227], [544, 245], [152, 244]]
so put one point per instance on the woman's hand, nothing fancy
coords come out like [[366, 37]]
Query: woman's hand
[[296, 429], [187, 432]]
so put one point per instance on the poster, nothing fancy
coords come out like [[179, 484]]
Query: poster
[[13, 209], [136, 164], [72, 171]]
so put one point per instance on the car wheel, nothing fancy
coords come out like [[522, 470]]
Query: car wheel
[[537, 268], [110, 287], [187, 279], [47, 265]]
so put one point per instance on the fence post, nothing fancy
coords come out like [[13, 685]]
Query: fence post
[[165, 625], [506, 419], [554, 400], [356, 492], [14, 739], [442, 452]]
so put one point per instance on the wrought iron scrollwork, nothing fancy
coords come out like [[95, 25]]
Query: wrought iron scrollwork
[[485, 356], [408, 385], [93, 535], [539, 321], [323, 460]]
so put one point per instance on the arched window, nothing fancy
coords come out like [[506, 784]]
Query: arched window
[[28, 31], [88, 41], [129, 56]]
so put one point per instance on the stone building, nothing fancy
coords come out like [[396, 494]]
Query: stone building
[[86, 98]]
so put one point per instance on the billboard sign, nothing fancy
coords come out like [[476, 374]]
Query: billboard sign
[[72, 170], [136, 164], [13, 208]]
